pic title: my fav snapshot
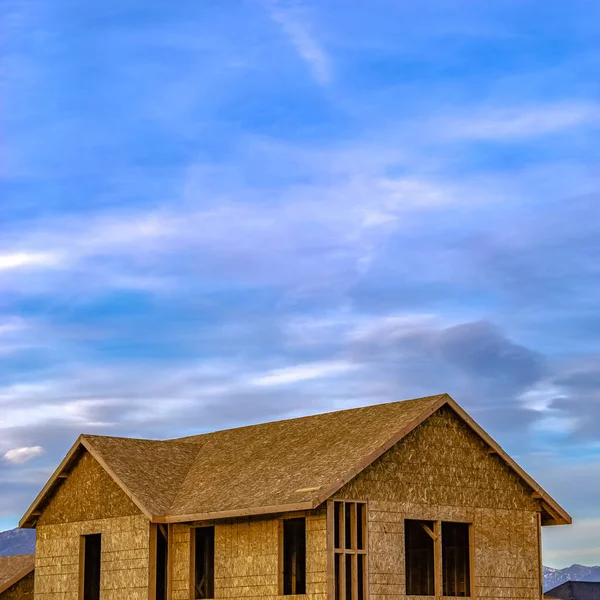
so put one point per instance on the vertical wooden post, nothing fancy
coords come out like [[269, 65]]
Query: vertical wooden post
[[367, 583], [353, 527], [169, 561], [437, 560], [354, 576], [472, 547], [152, 565], [280, 553], [192, 563], [330, 550], [81, 566], [342, 525]]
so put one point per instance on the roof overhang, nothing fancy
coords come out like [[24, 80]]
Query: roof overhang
[[552, 512]]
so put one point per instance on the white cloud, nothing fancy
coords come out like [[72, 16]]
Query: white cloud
[[21, 260], [519, 123], [540, 397], [20, 456], [293, 22], [302, 373], [333, 228]]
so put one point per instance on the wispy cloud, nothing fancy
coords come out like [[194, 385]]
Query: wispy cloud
[[25, 260], [508, 124], [299, 373], [330, 228], [292, 17]]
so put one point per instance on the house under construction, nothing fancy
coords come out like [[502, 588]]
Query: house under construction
[[384, 502]]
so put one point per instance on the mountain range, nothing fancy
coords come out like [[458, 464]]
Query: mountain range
[[17, 541], [22, 541], [554, 577]]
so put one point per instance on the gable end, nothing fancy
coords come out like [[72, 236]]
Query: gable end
[[82, 488], [551, 512]]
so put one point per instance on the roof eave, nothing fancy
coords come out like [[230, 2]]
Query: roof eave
[[241, 512], [559, 516]]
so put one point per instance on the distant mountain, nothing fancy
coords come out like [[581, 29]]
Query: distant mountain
[[17, 541], [554, 577]]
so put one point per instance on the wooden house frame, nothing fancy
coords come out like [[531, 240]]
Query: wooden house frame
[[246, 482]]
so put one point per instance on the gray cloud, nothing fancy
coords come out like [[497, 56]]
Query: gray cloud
[[477, 351], [481, 350], [578, 397]]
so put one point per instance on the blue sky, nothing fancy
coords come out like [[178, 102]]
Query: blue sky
[[220, 213]]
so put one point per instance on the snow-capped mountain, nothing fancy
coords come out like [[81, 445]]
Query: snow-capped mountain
[[17, 541], [554, 577]]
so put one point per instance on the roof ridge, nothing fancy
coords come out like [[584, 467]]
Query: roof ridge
[[183, 440], [433, 398]]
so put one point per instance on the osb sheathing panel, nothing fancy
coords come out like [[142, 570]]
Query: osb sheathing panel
[[14, 567], [443, 471], [247, 558], [124, 559], [22, 590], [88, 493]]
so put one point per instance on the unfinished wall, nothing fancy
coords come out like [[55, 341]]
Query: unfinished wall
[[442, 470], [22, 590], [247, 558], [89, 492]]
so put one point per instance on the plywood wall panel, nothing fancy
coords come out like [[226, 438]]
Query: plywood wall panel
[[124, 560], [247, 558], [443, 471], [88, 493]]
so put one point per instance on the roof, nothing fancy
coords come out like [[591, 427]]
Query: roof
[[295, 464], [14, 568], [575, 590]]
